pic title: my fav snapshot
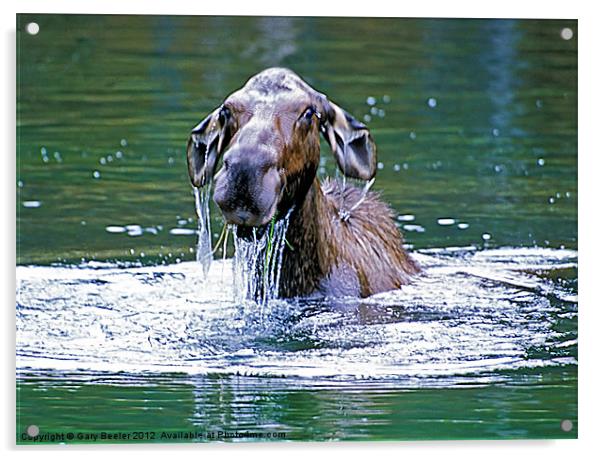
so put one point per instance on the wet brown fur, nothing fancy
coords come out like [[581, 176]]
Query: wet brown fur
[[367, 244]]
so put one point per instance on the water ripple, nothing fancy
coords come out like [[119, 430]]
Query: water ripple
[[471, 313]]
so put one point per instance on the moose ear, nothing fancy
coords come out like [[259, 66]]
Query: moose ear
[[205, 146], [351, 143]]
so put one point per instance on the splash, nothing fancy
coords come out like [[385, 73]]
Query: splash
[[258, 262], [204, 253], [473, 314]]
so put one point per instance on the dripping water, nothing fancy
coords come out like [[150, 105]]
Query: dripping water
[[258, 262], [204, 254]]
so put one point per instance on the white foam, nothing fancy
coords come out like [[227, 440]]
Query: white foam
[[470, 313]]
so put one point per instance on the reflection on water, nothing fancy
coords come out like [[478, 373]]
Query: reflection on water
[[532, 406]]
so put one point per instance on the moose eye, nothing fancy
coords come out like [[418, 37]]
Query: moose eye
[[308, 115]]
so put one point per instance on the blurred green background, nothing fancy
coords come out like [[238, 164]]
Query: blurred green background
[[475, 120]]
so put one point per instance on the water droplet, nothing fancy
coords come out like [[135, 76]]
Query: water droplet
[[406, 218], [110, 158], [405, 166], [20, 184], [103, 161], [371, 100], [396, 167], [432, 102], [381, 113], [142, 255], [386, 99], [497, 168], [551, 200], [374, 111], [486, 236], [380, 165], [170, 160], [57, 157], [135, 232], [32, 204], [541, 162], [123, 143], [181, 232], [96, 174], [43, 151], [566, 33], [463, 226], [416, 228], [446, 221], [115, 229], [539, 103], [568, 194], [119, 155], [367, 118], [83, 223], [412, 135], [495, 132], [132, 251], [182, 221]]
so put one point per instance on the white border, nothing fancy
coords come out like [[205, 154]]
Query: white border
[[379, 8], [589, 196]]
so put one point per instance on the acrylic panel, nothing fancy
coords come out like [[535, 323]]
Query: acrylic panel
[[143, 316]]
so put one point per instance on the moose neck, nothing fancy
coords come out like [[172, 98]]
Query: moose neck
[[309, 257]]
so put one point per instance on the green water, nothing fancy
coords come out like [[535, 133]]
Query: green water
[[475, 121], [519, 408]]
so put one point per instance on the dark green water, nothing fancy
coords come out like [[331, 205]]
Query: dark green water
[[475, 121]]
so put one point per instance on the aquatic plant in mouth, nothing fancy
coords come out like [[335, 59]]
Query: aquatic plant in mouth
[[258, 260], [257, 253], [269, 248]]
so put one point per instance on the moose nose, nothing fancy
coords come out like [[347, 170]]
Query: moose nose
[[246, 189], [240, 217], [248, 158]]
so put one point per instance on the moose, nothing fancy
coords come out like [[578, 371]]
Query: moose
[[342, 239]]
